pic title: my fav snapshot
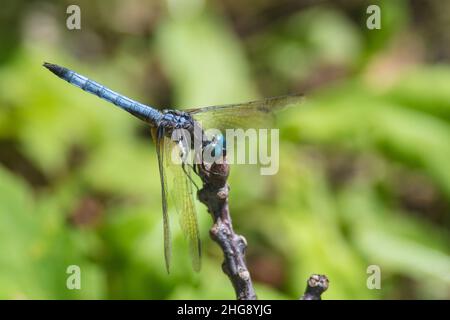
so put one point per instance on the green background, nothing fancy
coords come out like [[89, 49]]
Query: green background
[[364, 165]]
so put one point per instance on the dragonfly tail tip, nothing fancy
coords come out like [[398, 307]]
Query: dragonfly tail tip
[[54, 68]]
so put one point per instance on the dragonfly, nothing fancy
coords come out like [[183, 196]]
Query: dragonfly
[[163, 123]]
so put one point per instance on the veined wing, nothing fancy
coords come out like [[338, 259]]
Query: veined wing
[[254, 114], [182, 196], [161, 141]]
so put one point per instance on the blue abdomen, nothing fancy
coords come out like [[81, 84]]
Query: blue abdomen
[[138, 109]]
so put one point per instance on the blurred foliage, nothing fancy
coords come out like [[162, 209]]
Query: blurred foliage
[[364, 174]]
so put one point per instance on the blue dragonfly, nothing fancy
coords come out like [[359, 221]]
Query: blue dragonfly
[[256, 114]]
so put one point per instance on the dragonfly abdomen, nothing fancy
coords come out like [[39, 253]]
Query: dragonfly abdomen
[[142, 111]]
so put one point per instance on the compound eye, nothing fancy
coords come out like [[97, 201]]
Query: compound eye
[[218, 145], [219, 139]]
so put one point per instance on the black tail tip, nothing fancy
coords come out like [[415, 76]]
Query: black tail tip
[[58, 70]]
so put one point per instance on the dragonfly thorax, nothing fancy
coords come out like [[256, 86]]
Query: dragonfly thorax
[[174, 119], [174, 125]]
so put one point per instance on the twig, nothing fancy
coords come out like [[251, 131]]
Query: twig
[[214, 195], [316, 285]]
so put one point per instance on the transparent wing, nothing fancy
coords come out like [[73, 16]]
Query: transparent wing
[[162, 155], [254, 114], [182, 196]]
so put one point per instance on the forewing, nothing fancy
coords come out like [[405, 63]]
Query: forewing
[[182, 195], [254, 114], [161, 142]]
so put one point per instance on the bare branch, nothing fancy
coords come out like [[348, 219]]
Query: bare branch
[[316, 285], [214, 195]]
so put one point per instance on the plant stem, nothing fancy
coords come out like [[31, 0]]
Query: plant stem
[[214, 195], [316, 285]]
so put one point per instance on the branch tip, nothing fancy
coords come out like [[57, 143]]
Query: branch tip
[[316, 285]]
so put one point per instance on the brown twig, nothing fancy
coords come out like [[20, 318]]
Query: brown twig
[[316, 285], [214, 195]]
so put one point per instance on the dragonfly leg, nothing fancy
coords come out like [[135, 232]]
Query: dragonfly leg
[[207, 170], [183, 166]]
